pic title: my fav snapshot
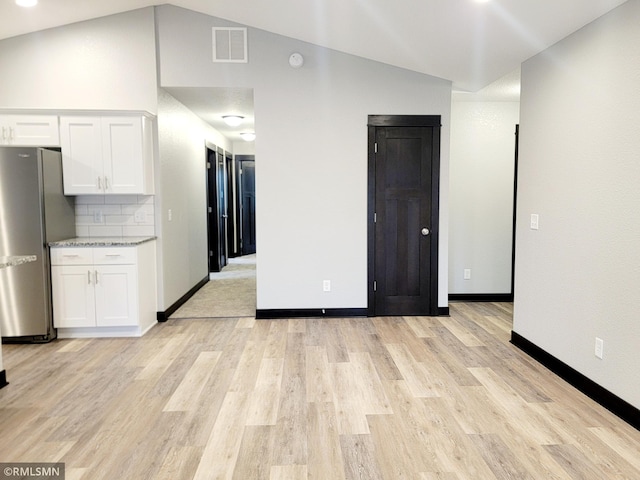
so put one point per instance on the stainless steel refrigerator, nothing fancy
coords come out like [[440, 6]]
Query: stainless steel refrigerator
[[33, 212]]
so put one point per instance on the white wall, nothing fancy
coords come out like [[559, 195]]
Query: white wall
[[244, 148], [181, 188], [103, 64], [578, 276], [481, 196], [311, 152]]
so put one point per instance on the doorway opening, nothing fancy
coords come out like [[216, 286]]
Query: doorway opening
[[231, 290], [515, 206]]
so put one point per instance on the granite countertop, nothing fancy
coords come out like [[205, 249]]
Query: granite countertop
[[13, 260], [101, 242]]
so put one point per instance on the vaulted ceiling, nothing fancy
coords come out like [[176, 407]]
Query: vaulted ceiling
[[469, 42]]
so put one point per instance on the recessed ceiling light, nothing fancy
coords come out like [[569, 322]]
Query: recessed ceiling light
[[26, 3], [232, 120]]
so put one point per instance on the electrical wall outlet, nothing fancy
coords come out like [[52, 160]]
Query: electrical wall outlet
[[467, 274], [97, 216], [599, 348], [326, 285]]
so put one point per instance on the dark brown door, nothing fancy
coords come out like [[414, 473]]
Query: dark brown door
[[229, 210], [248, 204], [216, 208], [403, 193], [212, 209]]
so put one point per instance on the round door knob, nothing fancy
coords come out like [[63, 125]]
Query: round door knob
[[425, 232]]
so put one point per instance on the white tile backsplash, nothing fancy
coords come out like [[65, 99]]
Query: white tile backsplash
[[104, 231], [119, 215], [121, 199], [138, 231], [82, 230]]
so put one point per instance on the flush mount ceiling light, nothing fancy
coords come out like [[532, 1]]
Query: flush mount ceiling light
[[26, 3], [232, 120], [248, 136]]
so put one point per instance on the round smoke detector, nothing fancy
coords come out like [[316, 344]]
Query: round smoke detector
[[296, 60]]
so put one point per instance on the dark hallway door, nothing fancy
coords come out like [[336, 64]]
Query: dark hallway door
[[230, 217], [404, 179], [217, 208], [248, 203]]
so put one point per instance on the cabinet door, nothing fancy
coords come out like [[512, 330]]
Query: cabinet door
[[81, 142], [30, 130], [73, 296], [123, 154], [116, 295]]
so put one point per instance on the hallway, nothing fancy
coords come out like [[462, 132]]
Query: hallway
[[229, 293]]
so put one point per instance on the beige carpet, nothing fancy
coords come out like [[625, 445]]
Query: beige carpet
[[229, 293]]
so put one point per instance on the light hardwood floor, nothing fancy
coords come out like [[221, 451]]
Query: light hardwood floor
[[416, 398]]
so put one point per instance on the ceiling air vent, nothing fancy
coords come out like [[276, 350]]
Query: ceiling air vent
[[230, 45]]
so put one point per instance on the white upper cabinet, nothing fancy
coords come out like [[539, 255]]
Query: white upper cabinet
[[107, 155], [29, 130], [82, 164]]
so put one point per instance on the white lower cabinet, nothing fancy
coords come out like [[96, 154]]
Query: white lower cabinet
[[116, 295], [103, 291], [94, 295]]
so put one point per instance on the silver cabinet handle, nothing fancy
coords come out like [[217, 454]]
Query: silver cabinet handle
[[99, 183], [425, 232], [4, 133], [88, 277], [12, 132], [96, 274], [106, 183]]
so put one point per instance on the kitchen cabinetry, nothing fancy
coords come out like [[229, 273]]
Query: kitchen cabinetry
[[103, 291], [107, 155], [29, 130]]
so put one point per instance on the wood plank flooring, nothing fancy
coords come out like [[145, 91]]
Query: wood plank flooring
[[420, 398]]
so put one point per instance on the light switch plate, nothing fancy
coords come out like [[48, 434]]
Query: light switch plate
[[599, 351], [534, 221]]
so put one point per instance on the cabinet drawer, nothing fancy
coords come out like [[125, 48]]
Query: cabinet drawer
[[71, 256], [114, 255]]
